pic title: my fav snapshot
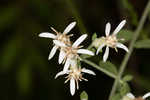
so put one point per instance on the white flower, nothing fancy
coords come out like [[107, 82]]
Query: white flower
[[130, 96], [75, 75], [111, 40], [61, 37], [68, 54]]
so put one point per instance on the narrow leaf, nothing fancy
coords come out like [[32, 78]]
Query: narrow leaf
[[127, 78], [143, 44], [125, 34], [109, 66]]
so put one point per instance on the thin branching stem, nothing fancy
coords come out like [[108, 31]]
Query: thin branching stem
[[131, 47]]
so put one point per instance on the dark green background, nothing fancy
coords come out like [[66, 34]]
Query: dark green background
[[26, 73]]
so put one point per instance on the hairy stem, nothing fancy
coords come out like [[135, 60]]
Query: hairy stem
[[131, 47]]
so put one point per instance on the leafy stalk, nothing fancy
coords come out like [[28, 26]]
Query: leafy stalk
[[131, 47]]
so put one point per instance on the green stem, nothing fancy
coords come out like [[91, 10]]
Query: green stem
[[131, 47], [99, 68]]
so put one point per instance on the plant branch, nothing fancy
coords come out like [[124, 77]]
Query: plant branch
[[99, 68], [131, 47]]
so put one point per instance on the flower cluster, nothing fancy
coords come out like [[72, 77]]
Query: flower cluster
[[110, 40], [69, 55], [130, 96]]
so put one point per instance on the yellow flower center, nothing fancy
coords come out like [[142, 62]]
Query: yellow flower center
[[111, 41], [64, 38], [76, 74]]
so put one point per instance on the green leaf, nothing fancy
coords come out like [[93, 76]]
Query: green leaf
[[109, 67], [83, 96], [116, 97], [124, 89], [143, 44], [127, 78], [94, 36], [125, 34]]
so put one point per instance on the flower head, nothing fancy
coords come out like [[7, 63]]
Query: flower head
[[68, 54], [61, 37], [130, 96], [75, 75], [111, 40]]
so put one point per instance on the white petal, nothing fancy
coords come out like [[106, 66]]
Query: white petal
[[72, 86], [119, 27], [53, 51], [107, 29], [79, 40], [130, 95], [85, 51], [59, 74], [146, 95], [69, 27], [62, 55], [106, 54], [67, 64], [99, 48], [59, 43], [47, 35], [88, 71], [120, 45]]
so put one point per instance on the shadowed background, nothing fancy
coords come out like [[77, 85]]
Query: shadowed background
[[26, 73]]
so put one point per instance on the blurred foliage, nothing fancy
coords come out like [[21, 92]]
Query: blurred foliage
[[25, 70], [143, 44], [9, 52], [132, 13], [24, 77], [8, 16]]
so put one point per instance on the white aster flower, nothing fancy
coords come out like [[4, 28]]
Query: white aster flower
[[75, 75], [61, 37], [68, 54], [130, 96], [111, 40]]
